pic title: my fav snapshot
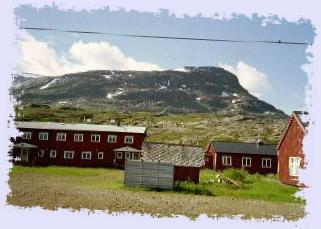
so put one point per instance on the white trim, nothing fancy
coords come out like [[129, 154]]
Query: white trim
[[247, 159], [61, 137], [41, 153], [86, 155], [100, 155], [43, 136], [110, 137], [69, 154], [119, 155], [294, 165], [53, 153], [127, 137], [95, 137], [267, 164], [225, 160], [27, 135], [78, 137]]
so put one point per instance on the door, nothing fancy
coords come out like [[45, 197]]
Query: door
[[24, 154]]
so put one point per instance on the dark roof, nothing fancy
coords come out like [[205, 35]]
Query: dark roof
[[180, 155], [244, 148]]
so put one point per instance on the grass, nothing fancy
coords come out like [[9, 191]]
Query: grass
[[255, 186]]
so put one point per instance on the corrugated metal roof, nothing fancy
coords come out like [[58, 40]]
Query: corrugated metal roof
[[245, 148], [80, 127], [180, 155]]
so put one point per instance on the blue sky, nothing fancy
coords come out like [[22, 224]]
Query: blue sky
[[272, 72]]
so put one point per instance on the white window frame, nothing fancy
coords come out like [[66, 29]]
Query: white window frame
[[95, 135], [246, 159], [53, 153], [27, 135], [138, 156], [111, 137], [100, 155], [59, 137], [127, 155], [119, 155], [86, 155], [267, 163], [69, 152], [41, 153], [129, 137], [225, 160], [43, 136], [78, 137], [294, 166]]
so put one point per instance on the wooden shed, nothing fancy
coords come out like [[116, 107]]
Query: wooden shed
[[290, 153], [254, 157], [187, 159]]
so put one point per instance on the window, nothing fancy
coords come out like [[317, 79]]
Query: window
[[53, 153], [294, 165], [112, 139], [69, 154], [135, 156], [61, 137], [119, 155], [246, 162], [43, 136], [100, 155], [127, 155], [41, 153], [26, 135], [86, 155], [78, 137], [129, 139], [266, 163], [95, 137], [227, 160]]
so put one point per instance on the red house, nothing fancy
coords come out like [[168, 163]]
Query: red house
[[187, 159], [254, 157], [291, 156], [49, 143]]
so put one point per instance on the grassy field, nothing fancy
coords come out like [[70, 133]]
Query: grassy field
[[191, 128], [252, 186], [103, 189]]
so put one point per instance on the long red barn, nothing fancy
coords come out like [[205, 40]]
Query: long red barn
[[49, 143], [253, 157]]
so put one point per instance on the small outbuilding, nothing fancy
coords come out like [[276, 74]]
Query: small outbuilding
[[290, 153], [254, 157], [188, 160]]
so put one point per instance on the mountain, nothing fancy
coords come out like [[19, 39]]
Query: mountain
[[197, 89]]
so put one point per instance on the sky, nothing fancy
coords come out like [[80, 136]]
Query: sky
[[272, 72]]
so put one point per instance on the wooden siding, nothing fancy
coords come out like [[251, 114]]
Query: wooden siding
[[291, 146], [149, 174], [187, 174]]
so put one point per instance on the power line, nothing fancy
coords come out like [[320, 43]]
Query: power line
[[168, 37]]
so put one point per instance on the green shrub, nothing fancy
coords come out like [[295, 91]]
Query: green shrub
[[236, 174]]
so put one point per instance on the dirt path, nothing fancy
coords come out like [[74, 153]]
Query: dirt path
[[52, 192]]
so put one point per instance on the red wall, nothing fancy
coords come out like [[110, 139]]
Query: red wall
[[213, 160], [291, 146], [77, 147], [256, 163], [186, 174]]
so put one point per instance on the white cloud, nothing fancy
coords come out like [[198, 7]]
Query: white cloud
[[39, 58], [256, 82]]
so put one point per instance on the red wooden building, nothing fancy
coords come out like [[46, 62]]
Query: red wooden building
[[290, 153], [254, 157], [49, 143], [187, 159]]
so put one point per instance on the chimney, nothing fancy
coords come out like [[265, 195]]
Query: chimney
[[259, 142]]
